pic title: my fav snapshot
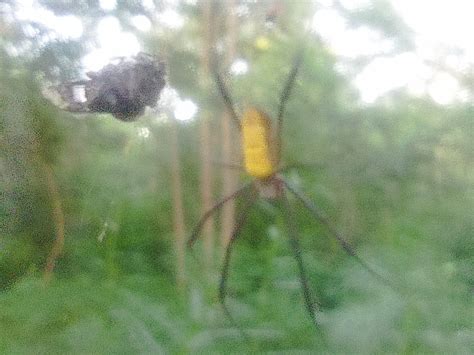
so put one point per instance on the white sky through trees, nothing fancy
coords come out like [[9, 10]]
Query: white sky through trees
[[439, 27]]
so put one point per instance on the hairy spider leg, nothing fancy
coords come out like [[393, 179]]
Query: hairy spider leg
[[197, 230], [311, 305], [226, 96], [285, 95], [241, 219], [320, 216]]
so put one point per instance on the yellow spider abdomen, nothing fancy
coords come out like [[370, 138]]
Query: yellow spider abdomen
[[256, 144]]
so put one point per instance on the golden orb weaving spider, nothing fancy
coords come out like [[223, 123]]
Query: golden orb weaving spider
[[261, 148]]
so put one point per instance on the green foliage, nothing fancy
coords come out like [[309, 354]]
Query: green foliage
[[394, 176], [381, 16], [30, 140]]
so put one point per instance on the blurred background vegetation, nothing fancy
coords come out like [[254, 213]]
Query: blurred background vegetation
[[94, 212]]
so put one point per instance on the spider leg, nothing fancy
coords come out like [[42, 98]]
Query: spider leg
[[311, 305], [250, 201], [285, 94], [195, 234], [321, 217], [225, 94]]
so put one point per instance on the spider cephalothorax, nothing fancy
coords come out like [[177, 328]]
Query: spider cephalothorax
[[123, 89]]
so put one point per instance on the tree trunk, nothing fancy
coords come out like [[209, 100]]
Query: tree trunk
[[178, 211], [229, 176], [58, 219], [205, 139]]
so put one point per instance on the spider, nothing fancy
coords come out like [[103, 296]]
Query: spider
[[261, 148]]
